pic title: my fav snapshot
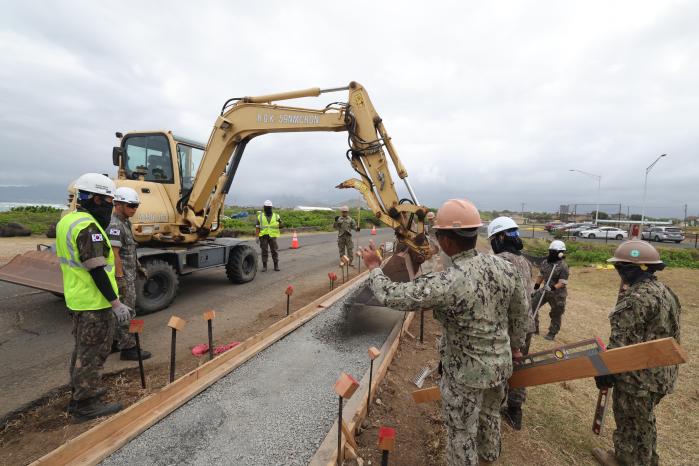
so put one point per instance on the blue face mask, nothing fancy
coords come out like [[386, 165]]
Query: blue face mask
[[512, 234]]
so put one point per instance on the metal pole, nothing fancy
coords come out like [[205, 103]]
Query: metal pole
[[368, 400], [384, 457], [288, 299], [645, 188], [422, 324], [140, 361], [210, 326], [339, 433], [172, 355]]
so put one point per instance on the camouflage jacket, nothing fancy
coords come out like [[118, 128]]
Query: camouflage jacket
[[561, 273], [524, 268], [480, 301], [345, 225], [121, 237], [647, 310]]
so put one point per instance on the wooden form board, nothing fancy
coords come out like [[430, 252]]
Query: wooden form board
[[656, 353], [355, 409], [105, 438]]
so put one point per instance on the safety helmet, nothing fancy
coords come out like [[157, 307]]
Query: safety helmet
[[557, 245], [126, 195], [500, 224], [456, 214], [268, 203], [96, 184], [635, 251], [430, 216], [344, 208]]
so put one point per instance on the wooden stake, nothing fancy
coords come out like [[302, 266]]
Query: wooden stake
[[373, 354], [387, 442], [175, 324], [209, 317]]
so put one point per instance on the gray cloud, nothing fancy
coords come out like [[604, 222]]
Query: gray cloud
[[491, 101]]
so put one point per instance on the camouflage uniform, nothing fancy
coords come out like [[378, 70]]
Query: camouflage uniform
[[479, 300], [345, 226], [121, 237], [93, 330], [647, 310], [556, 298], [517, 396]]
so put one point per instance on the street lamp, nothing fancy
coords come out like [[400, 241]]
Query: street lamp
[[645, 188], [599, 185]]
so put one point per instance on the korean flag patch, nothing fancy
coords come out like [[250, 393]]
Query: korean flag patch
[[114, 231], [96, 237]]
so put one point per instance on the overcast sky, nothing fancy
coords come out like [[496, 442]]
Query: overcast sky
[[493, 101]]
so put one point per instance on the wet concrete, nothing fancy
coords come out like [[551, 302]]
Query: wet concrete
[[275, 409]]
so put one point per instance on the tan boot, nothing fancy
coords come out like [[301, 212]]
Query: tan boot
[[605, 458]]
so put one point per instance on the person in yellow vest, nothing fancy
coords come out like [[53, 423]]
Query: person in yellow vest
[[267, 231], [90, 289]]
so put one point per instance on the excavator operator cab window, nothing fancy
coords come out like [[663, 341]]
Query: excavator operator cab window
[[190, 158], [148, 155]]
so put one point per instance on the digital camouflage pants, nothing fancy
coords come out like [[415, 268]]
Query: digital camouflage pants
[[268, 243], [517, 396], [557, 301], [93, 332], [344, 244], [127, 295], [472, 417], [634, 437]]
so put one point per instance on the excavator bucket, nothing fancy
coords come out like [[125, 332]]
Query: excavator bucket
[[399, 268], [37, 269]]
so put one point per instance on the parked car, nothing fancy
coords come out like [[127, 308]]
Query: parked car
[[604, 232], [552, 225], [561, 227], [663, 234], [579, 227]]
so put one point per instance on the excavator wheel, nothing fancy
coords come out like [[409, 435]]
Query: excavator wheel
[[159, 290], [242, 264]]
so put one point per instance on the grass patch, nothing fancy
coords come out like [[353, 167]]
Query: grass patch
[[35, 218], [584, 253]]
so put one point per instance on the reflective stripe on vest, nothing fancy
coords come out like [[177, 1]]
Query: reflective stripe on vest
[[271, 228], [79, 289]]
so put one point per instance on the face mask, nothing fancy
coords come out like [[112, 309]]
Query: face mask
[[631, 273], [554, 256], [102, 213], [268, 211]]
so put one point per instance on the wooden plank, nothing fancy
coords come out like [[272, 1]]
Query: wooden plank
[[656, 353], [426, 394], [349, 437], [97, 443]]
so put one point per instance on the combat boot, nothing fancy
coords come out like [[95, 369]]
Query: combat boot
[[549, 336], [84, 410], [276, 266], [264, 266], [513, 417], [605, 458], [99, 393], [131, 354]]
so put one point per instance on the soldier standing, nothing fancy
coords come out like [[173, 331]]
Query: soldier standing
[[89, 286], [267, 230], [344, 224], [503, 233], [645, 310], [479, 300], [126, 202], [556, 290]]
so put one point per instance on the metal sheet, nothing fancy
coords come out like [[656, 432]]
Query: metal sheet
[[36, 269]]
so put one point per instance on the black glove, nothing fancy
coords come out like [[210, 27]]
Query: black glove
[[336, 217], [358, 229], [604, 381], [537, 285]]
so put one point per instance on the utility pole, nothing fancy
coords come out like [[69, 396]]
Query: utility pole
[[645, 188]]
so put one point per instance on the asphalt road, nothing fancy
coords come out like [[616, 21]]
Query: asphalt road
[[35, 327]]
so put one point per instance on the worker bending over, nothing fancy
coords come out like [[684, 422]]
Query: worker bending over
[[479, 300], [267, 230], [90, 291]]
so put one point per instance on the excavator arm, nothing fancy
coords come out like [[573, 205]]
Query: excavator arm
[[248, 117]]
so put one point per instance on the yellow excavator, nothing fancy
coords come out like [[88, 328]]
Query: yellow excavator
[[183, 184]]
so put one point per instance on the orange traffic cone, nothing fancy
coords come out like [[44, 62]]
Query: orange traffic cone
[[294, 241], [373, 230]]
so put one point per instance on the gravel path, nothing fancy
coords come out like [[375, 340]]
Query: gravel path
[[275, 409]]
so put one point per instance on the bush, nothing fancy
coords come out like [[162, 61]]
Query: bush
[[36, 209]]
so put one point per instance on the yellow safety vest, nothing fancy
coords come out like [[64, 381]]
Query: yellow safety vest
[[271, 228], [79, 289]]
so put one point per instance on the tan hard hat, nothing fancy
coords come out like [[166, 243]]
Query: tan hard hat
[[344, 208], [456, 214], [636, 251]]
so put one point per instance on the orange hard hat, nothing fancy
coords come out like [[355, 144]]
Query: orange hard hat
[[457, 214]]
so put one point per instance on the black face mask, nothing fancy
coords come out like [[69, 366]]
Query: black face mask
[[511, 244], [102, 212], [631, 273], [268, 211], [554, 256]]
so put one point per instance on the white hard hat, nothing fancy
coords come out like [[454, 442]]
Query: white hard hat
[[557, 245], [500, 224], [126, 195], [268, 203], [344, 208], [96, 184]]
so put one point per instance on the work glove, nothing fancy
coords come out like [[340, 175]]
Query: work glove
[[336, 217], [604, 381], [537, 285], [121, 311], [547, 288]]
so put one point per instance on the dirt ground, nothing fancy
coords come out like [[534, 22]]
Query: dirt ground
[[557, 417], [10, 247], [45, 426]]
